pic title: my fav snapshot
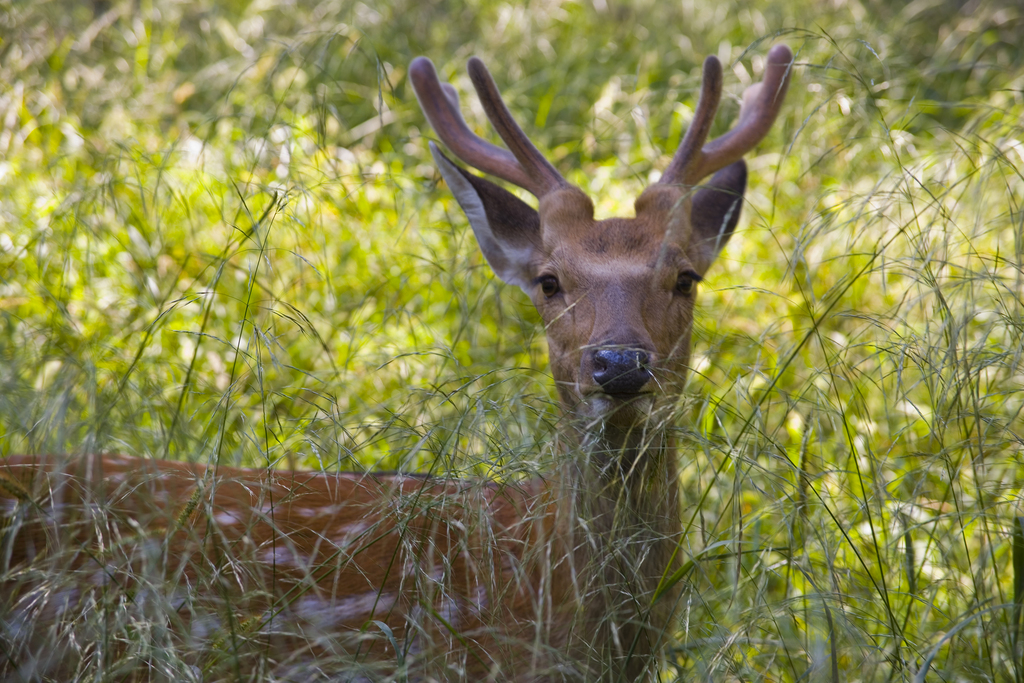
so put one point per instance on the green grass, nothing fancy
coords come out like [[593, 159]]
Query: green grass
[[222, 239]]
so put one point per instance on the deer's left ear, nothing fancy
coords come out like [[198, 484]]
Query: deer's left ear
[[715, 212], [506, 228]]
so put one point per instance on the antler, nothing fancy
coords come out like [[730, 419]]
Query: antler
[[524, 166], [694, 160]]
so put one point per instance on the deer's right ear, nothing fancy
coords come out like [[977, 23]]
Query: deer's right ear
[[507, 228]]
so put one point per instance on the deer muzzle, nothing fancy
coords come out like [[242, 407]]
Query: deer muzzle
[[620, 371]]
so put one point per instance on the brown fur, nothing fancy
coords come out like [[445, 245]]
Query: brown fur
[[290, 566]]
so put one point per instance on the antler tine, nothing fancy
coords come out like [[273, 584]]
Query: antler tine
[[761, 105], [440, 105], [452, 94], [530, 159], [689, 152]]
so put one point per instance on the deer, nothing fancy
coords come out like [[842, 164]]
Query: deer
[[572, 575]]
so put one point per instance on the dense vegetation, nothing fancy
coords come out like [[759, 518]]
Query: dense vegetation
[[222, 239]]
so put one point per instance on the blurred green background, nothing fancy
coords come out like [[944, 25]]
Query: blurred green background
[[222, 239]]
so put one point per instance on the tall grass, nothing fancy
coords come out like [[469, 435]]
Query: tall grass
[[222, 240]]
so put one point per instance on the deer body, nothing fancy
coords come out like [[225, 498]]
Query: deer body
[[306, 556], [489, 575], [563, 577]]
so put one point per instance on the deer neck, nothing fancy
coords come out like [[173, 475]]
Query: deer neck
[[619, 487], [626, 480]]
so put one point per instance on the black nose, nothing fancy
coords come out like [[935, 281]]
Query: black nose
[[621, 371]]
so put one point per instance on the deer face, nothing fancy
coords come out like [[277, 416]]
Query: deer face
[[617, 296]]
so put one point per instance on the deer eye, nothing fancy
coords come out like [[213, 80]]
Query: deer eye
[[548, 285], [686, 282]]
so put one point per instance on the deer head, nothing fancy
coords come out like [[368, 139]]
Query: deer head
[[616, 295]]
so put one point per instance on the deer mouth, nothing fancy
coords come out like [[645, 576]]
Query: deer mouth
[[622, 410], [623, 395], [622, 404]]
